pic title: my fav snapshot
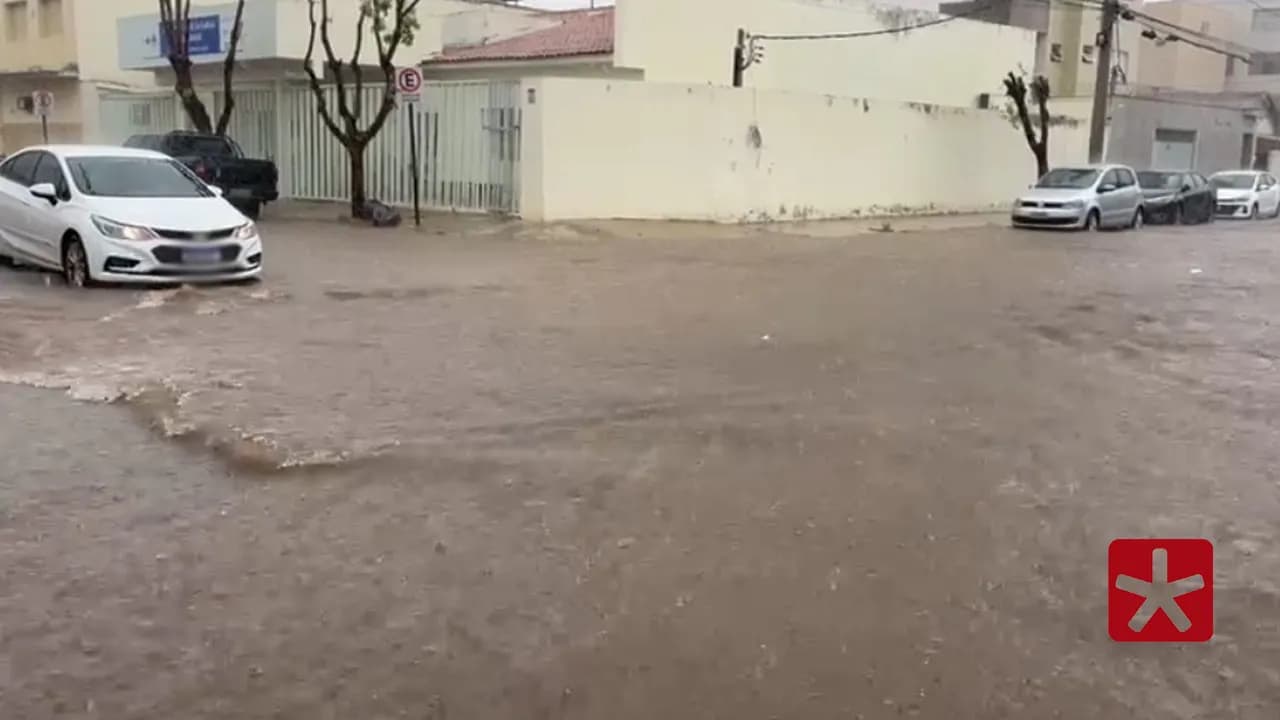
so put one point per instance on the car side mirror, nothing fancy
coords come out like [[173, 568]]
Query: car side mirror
[[1186, 188], [45, 191], [216, 190], [1106, 188]]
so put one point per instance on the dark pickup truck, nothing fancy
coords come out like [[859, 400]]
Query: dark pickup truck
[[246, 183]]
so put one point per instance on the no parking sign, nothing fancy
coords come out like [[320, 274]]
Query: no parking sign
[[409, 84]]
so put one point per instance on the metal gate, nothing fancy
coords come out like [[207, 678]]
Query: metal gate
[[122, 115], [468, 136], [253, 120], [472, 146]]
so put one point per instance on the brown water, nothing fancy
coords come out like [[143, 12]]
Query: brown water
[[641, 470]]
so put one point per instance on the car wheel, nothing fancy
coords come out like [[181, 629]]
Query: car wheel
[[1092, 221], [1253, 211], [6, 261], [252, 210], [75, 264], [1138, 217], [1179, 215]]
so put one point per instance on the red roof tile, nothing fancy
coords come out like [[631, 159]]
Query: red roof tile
[[580, 32]]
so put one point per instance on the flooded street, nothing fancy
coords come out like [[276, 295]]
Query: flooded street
[[641, 471]]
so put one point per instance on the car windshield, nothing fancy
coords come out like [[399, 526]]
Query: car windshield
[[137, 177], [1233, 181], [1160, 180], [1076, 178]]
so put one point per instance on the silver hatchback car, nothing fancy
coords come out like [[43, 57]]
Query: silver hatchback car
[[1086, 197]]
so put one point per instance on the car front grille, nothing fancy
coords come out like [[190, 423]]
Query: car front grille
[[222, 234], [1035, 204], [1046, 221], [172, 254]]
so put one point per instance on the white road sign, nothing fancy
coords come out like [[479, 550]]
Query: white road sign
[[42, 103], [409, 84]]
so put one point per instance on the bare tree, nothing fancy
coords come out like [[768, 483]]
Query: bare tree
[[391, 23], [175, 23], [1017, 90]]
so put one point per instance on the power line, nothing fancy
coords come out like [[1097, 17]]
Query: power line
[[884, 31], [1183, 31]]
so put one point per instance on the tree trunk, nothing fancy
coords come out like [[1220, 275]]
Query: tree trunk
[[1042, 158], [191, 103], [358, 199]]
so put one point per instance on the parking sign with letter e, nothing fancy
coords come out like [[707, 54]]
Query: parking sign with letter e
[[1160, 590]]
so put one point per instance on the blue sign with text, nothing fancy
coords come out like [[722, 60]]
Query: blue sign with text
[[204, 36]]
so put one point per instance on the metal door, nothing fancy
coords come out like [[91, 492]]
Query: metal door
[[1174, 150]]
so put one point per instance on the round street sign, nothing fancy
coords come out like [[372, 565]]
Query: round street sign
[[42, 102], [409, 84]]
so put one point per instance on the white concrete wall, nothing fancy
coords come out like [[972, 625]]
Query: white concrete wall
[[619, 149], [692, 42], [97, 43]]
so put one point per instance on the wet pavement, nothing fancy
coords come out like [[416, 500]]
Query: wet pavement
[[641, 470]]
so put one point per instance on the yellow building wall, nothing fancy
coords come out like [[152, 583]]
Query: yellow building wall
[[1180, 66], [1072, 28], [618, 149], [692, 42]]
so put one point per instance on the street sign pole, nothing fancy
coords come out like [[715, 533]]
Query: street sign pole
[[42, 103], [409, 90], [411, 109]]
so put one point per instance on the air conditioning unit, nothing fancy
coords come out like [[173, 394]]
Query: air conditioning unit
[[26, 104]]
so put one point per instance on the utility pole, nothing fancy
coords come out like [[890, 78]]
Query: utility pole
[[1101, 85], [739, 57]]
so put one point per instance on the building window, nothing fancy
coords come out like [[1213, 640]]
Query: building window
[[1265, 64], [15, 20], [1055, 52], [1086, 54], [50, 18], [1266, 19]]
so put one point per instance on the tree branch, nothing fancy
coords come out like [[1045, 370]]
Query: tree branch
[[357, 101], [335, 67], [1040, 90], [316, 88], [1016, 90], [228, 70]]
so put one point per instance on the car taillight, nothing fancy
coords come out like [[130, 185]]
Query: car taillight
[[201, 171]]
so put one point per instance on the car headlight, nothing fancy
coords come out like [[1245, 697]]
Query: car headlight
[[1073, 204], [121, 231], [246, 231]]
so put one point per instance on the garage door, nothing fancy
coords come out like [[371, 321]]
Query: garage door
[[1174, 150]]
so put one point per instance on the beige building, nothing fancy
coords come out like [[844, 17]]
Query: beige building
[[1181, 66], [58, 46], [1068, 55], [678, 41]]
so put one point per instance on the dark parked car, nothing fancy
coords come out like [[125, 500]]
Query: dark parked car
[[1176, 197], [246, 183]]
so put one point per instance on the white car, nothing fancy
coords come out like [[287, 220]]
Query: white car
[[1246, 194], [109, 214]]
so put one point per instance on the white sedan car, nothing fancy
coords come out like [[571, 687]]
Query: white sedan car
[[109, 214]]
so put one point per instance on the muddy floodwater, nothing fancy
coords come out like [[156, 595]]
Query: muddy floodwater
[[641, 471]]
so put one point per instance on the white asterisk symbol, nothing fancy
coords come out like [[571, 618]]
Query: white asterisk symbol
[[1159, 594]]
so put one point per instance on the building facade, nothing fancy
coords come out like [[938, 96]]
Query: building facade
[[58, 46]]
